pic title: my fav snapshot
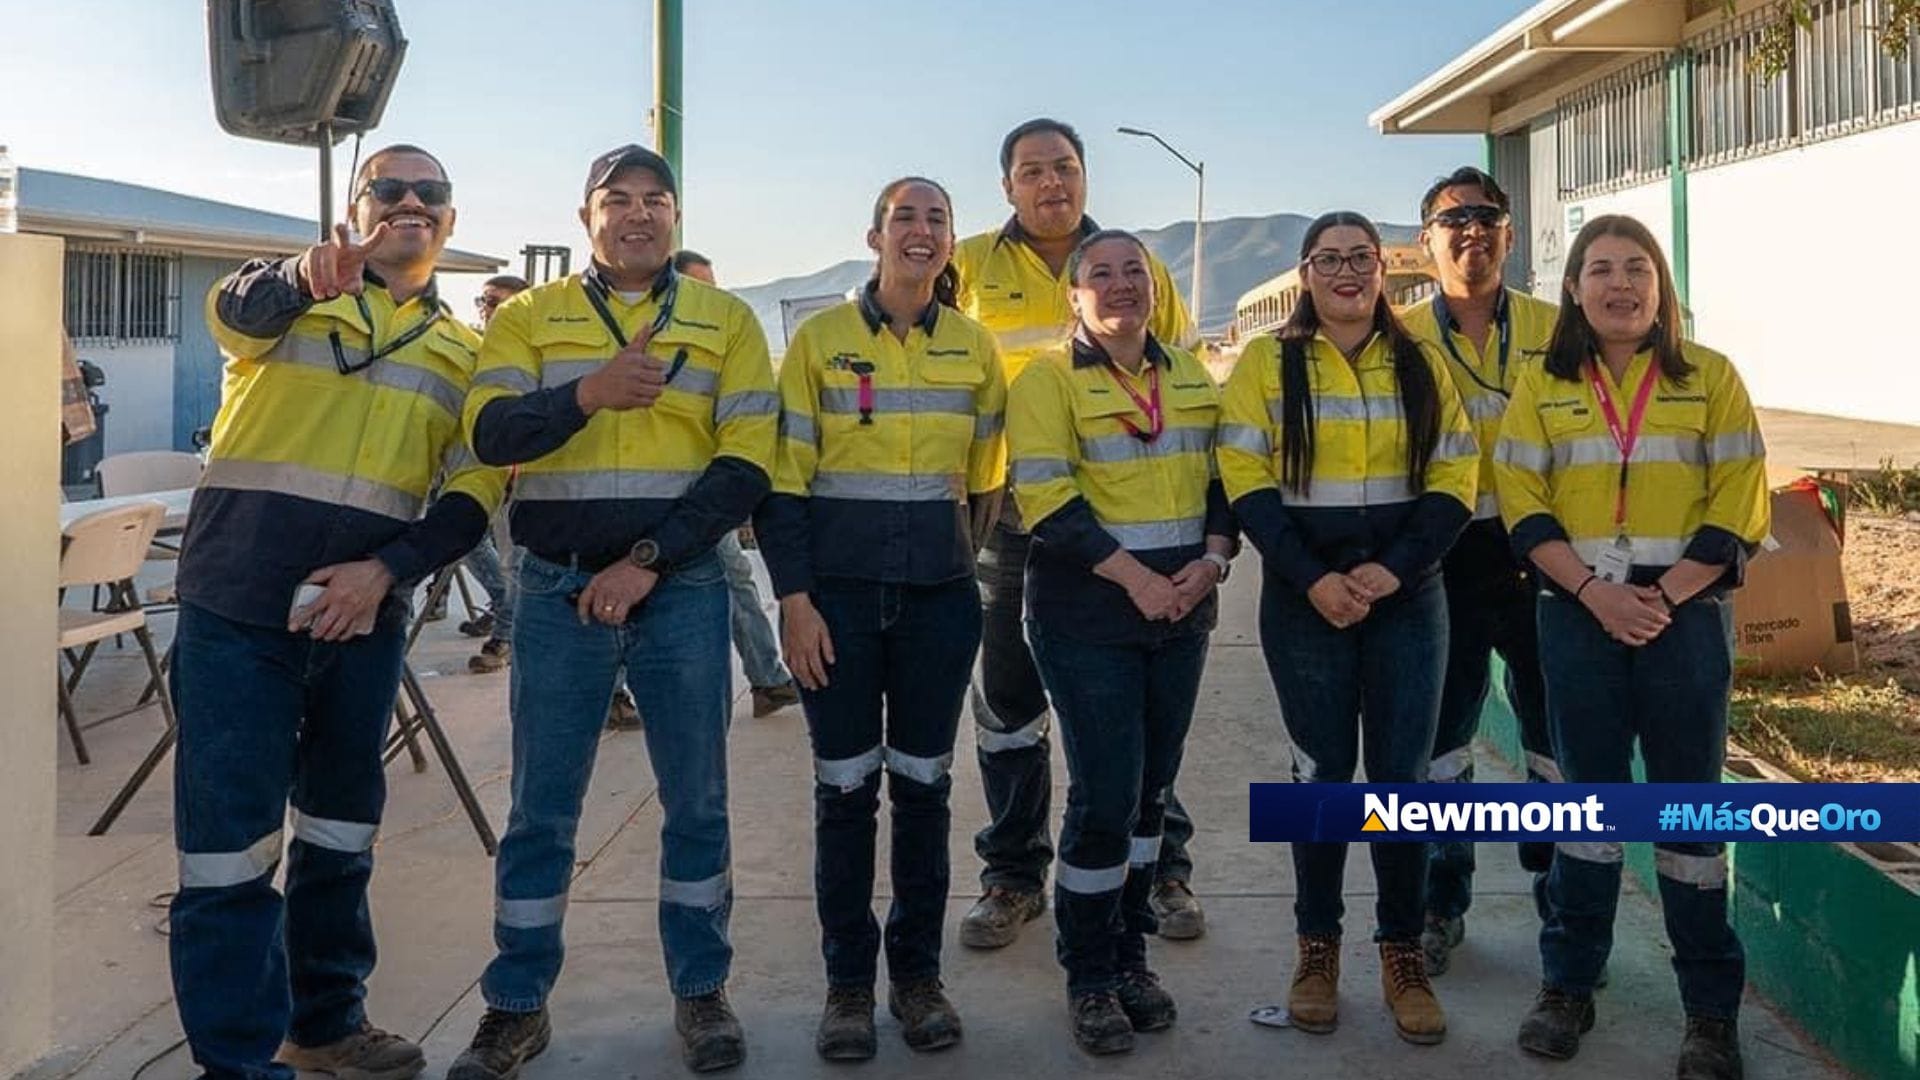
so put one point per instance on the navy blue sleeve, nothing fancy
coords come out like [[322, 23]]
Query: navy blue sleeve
[[1073, 531], [1269, 525], [1715, 546], [1430, 529], [722, 499], [782, 527], [452, 526], [263, 297], [513, 430], [1220, 519], [1532, 531]]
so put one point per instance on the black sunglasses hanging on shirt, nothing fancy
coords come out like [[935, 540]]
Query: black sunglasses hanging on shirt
[[381, 352]]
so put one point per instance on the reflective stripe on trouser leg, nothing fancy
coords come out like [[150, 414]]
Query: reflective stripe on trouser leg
[[991, 734], [349, 837], [926, 770], [1145, 851], [1089, 882], [705, 895], [225, 869], [848, 774]]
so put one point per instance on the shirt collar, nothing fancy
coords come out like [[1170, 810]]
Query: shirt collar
[[594, 276], [1013, 233], [429, 297], [875, 318], [1444, 316], [1090, 353]]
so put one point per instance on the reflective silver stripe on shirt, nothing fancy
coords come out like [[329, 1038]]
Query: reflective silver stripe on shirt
[[887, 487], [1030, 470], [1602, 450], [1029, 337], [1524, 455], [1647, 550], [1544, 767], [1736, 446], [1088, 882], [851, 772], [561, 372], [1482, 407], [387, 372], [1705, 871], [1593, 851], [987, 425], [745, 403], [1374, 491], [1343, 407], [530, 914], [512, 378], [1486, 505], [1180, 440], [1245, 437], [705, 894], [1454, 445], [225, 869], [604, 484], [1452, 766], [286, 478], [352, 837], [694, 380], [798, 426], [927, 770], [1148, 535], [1145, 851], [440, 391], [840, 400]]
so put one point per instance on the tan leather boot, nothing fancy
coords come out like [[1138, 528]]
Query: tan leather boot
[[1314, 1000], [1403, 975]]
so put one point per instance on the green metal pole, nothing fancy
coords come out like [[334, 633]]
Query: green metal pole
[[667, 113], [1487, 165], [1679, 149]]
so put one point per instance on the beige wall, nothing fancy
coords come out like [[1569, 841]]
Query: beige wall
[[29, 535]]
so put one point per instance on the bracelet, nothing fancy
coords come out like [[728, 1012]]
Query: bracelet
[[1664, 598], [1219, 561], [1591, 578]]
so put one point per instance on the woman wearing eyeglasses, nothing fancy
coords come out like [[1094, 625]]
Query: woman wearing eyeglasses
[[1111, 443], [890, 434], [1632, 474], [1352, 468]]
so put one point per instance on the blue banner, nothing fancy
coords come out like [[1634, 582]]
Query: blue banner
[[1576, 812]]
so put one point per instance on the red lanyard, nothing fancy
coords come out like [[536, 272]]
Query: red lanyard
[[1156, 422], [1624, 439]]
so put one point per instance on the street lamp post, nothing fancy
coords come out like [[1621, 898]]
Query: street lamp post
[[1199, 210]]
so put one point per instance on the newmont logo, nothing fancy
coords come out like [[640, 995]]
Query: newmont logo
[[1481, 815]]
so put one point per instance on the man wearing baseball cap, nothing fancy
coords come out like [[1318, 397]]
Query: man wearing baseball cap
[[640, 407]]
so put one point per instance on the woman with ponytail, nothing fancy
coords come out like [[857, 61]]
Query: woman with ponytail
[[1351, 466], [890, 432]]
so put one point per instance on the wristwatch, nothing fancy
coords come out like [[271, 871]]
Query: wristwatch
[[645, 555], [1220, 562]]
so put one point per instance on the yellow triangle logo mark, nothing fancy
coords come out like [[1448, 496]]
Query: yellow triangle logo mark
[[1374, 824]]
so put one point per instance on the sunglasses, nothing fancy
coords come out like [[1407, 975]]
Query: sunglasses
[[391, 190], [1328, 263], [1459, 217]]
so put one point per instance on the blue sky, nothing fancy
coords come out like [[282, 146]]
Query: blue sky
[[796, 112]]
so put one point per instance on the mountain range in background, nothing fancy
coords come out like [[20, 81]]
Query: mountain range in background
[[1240, 253]]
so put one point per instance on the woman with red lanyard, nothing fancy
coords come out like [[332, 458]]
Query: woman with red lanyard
[[1631, 473]]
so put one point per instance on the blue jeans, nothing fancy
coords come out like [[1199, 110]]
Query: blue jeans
[[1671, 695], [1376, 683], [752, 633], [1489, 609], [674, 648], [1124, 714], [902, 656], [485, 563], [1010, 733], [266, 717]]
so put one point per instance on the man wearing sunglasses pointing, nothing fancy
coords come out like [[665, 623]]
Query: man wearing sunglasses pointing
[[344, 383]]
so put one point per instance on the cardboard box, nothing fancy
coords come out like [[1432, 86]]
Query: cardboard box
[[1792, 617]]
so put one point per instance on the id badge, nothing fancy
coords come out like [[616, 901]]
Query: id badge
[[1615, 562]]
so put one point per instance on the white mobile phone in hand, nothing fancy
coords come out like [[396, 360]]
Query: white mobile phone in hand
[[305, 596]]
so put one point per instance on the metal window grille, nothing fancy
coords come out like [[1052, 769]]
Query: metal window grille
[[1896, 83], [118, 295], [1834, 60], [1614, 133], [1736, 113]]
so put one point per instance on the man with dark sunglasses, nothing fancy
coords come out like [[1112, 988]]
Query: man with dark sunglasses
[[1488, 332], [640, 407], [345, 378]]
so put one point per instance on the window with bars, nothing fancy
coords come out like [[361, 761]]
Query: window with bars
[[116, 295], [1736, 113], [1614, 133]]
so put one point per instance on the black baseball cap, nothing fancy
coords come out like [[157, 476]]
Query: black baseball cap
[[632, 154]]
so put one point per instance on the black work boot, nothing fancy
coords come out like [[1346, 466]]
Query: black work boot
[[1100, 1025], [710, 1037], [1553, 1027], [1147, 1004], [1438, 939], [846, 1025], [504, 1042], [1711, 1051], [928, 1021]]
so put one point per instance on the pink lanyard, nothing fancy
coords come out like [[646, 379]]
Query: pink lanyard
[[1156, 422], [1624, 439]]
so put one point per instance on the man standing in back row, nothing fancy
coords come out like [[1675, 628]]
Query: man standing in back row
[[1012, 279]]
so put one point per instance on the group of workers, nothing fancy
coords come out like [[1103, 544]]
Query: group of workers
[[1005, 449]]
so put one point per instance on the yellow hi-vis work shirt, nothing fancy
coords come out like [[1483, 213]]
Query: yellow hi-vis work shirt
[[877, 487], [1358, 506], [682, 471], [1090, 482], [1522, 328], [1696, 484], [312, 466]]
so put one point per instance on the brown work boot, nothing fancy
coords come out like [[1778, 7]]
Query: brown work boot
[[710, 1036], [768, 700], [846, 1025], [494, 655], [1403, 975], [1177, 910], [623, 714], [928, 1021], [996, 918], [367, 1054], [504, 1042], [1314, 999]]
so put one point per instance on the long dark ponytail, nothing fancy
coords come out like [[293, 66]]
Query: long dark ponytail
[[946, 287], [1419, 394]]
